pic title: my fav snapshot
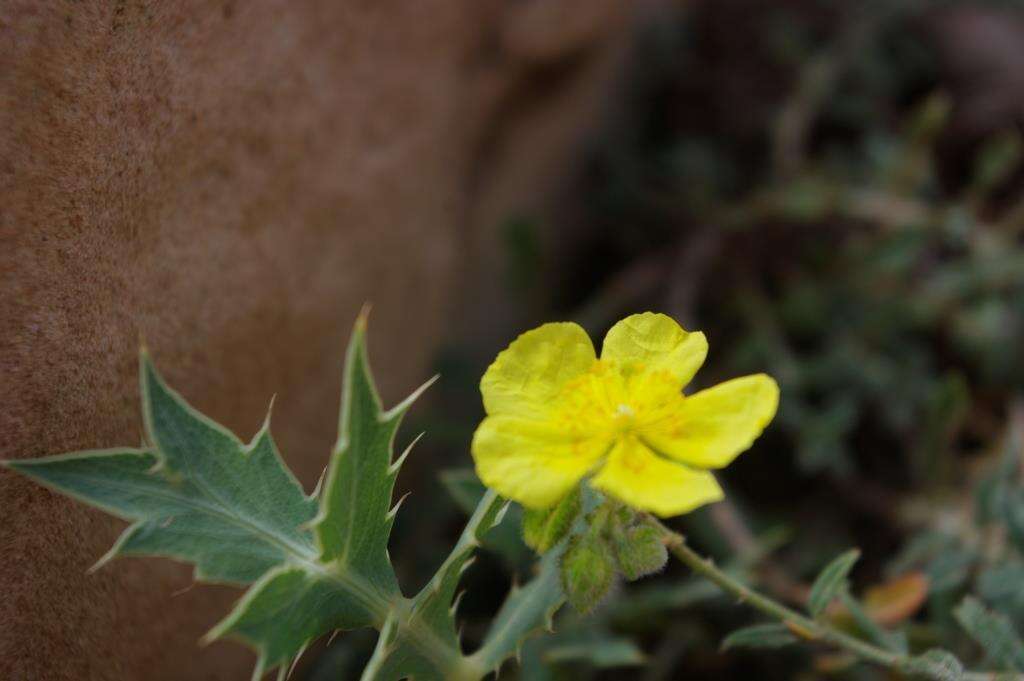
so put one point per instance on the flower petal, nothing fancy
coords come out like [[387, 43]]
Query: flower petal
[[530, 461], [527, 376], [658, 342], [636, 476], [716, 424]]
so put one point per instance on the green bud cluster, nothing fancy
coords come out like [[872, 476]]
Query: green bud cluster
[[616, 542]]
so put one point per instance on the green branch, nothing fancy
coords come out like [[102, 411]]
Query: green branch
[[810, 629]]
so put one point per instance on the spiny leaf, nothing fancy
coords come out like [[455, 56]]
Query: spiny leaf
[[760, 636], [199, 494], [526, 610], [467, 491], [355, 518], [349, 582], [830, 582], [421, 640], [291, 606], [992, 631]]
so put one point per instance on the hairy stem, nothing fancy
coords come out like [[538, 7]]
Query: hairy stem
[[803, 625]]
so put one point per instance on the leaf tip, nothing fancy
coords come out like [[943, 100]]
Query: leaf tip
[[260, 669], [455, 604], [467, 564], [500, 515], [110, 555], [216, 632], [404, 405], [270, 411], [363, 317], [396, 465], [394, 509], [315, 494]]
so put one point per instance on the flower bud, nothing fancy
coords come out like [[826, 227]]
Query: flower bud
[[542, 529], [588, 572], [639, 551]]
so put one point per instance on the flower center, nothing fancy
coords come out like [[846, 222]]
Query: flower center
[[624, 419], [611, 401]]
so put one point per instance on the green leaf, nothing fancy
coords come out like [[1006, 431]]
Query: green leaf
[[198, 494], [992, 631], [892, 640], [347, 582], [760, 636], [649, 602], [830, 582], [937, 664], [420, 640], [600, 652], [995, 161]]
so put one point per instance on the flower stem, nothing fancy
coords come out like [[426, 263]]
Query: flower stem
[[804, 626]]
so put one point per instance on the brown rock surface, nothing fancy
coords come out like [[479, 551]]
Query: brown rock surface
[[231, 181]]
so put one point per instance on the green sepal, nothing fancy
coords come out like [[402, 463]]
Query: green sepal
[[534, 522], [588, 571], [639, 550], [544, 528]]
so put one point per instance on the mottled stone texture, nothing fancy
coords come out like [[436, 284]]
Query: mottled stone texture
[[231, 181]]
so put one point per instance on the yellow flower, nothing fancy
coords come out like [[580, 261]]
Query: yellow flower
[[556, 414]]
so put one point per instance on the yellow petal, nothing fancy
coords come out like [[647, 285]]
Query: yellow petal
[[527, 376], [715, 425], [657, 342], [636, 476], [532, 462]]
